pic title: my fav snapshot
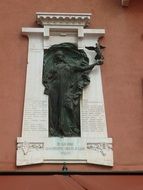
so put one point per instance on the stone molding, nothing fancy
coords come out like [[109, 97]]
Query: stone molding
[[125, 2], [63, 19]]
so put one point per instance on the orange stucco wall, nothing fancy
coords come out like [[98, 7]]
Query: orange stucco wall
[[122, 75], [71, 183]]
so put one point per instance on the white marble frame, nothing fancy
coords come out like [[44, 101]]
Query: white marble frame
[[34, 145]]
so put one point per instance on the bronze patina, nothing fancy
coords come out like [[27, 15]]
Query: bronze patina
[[65, 74]]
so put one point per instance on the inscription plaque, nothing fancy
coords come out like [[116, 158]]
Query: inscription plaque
[[88, 142]]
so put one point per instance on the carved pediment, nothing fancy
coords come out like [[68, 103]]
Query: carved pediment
[[125, 2], [62, 19]]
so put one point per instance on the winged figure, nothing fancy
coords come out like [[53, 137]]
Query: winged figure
[[98, 49]]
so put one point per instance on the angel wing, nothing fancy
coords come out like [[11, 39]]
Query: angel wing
[[90, 48], [102, 47]]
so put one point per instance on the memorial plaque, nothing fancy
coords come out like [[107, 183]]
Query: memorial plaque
[[64, 117]]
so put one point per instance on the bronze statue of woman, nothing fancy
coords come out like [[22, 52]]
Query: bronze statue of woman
[[65, 74]]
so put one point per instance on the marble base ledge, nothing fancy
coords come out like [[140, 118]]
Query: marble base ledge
[[59, 150]]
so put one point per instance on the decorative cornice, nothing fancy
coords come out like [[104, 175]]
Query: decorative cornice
[[63, 19], [125, 2]]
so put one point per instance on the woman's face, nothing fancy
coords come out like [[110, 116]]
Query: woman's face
[[59, 56]]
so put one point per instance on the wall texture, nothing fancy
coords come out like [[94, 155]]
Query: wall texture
[[71, 183]]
